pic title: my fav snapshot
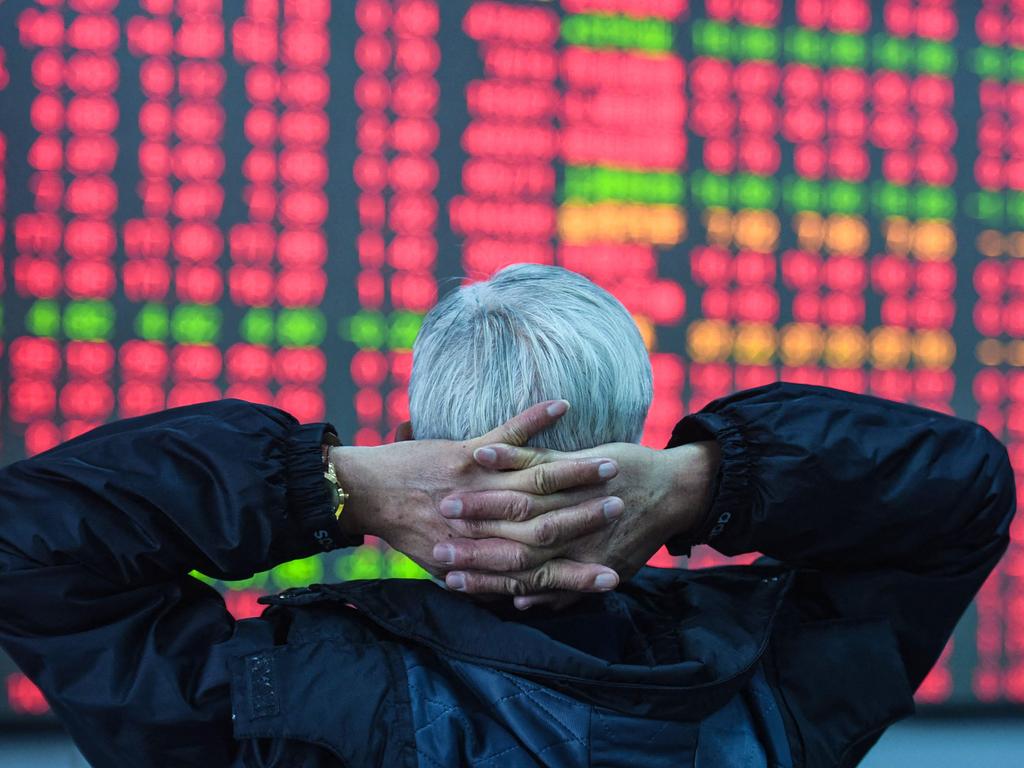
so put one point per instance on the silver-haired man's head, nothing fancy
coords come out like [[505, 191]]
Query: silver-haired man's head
[[531, 333]]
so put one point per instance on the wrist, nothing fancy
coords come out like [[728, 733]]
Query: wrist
[[686, 480], [358, 476]]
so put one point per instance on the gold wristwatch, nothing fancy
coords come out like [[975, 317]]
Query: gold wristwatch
[[338, 495]]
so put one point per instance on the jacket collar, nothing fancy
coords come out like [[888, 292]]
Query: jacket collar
[[694, 637]]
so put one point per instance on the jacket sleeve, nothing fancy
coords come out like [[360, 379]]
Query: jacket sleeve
[[886, 510], [97, 537]]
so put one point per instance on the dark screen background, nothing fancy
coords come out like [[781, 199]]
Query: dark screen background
[[262, 199]]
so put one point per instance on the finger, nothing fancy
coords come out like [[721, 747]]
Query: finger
[[525, 425], [556, 601], [521, 488], [504, 456], [508, 505], [495, 555], [561, 526], [544, 479], [558, 574]]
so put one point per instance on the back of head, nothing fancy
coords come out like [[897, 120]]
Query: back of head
[[530, 333]]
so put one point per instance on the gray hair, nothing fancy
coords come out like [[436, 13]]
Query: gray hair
[[530, 333]]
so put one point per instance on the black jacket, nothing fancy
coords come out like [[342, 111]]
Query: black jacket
[[879, 522]]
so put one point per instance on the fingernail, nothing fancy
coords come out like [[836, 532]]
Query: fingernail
[[607, 469], [604, 581], [486, 455], [522, 604], [451, 507], [444, 553], [558, 407], [456, 580], [612, 508]]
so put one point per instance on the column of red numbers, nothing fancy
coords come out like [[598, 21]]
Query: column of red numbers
[[35, 362], [303, 205], [146, 273], [914, 126], [824, 117], [506, 213], [373, 55], [844, 236], [998, 316], [197, 162], [252, 243], [413, 176], [90, 239]]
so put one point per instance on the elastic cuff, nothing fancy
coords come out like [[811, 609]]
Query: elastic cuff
[[310, 507], [732, 490]]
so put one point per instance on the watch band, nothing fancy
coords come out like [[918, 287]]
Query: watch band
[[338, 494]]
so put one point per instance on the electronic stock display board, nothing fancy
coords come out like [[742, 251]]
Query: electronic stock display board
[[261, 199]]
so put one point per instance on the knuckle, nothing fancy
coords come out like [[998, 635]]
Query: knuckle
[[466, 555], [516, 434], [579, 579], [474, 528], [542, 577], [517, 587], [546, 532], [518, 559], [542, 479], [518, 508]]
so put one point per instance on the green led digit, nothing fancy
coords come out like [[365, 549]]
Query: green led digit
[[712, 38], [989, 62], [256, 581], [802, 194], [1015, 64], [1015, 208], [43, 318], [844, 197], [404, 327], [195, 323], [892, 52], [301, 327], [711, 189], [934, 203], [152, 322], [935, 57], [577, 182], [754, 192], [615, 31], [986, 206], [848, 50], [399, 566], [89, 320], [257, 326], [891, 199], [365, 562], [298, 573], [804, 45], [757, 42], [365, 329]]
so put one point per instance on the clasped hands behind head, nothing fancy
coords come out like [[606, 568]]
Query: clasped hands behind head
[[523, 470]]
